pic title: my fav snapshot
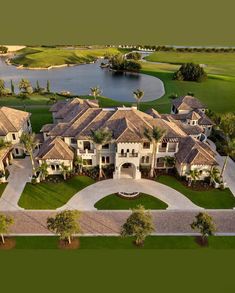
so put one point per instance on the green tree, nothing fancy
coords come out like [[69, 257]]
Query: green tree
[[214, 174], [48, 86], [5, 222], [229, 149], [3, 50], [194, 175], [29, 142], [96, 92], [12, 88], [139, 224], [65, 171], [2, 86], [133, 56], [190, 72], [169, 162], [43, 169], [227, 124], [138, 95], [65, 224], [101, 137], [154, 136], [205, 224], [25, 86], [78, 163]]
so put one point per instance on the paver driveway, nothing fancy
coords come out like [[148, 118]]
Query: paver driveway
[[85, 199], [20, 173]]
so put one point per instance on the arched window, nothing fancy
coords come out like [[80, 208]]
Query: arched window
[[142, 159], [147, 160], [133, 151], [122, 151], [127, 150]]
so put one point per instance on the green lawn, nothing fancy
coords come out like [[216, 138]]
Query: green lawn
[[111, 242], [115, 202], [40, 116], [45, 57], [216, 63], [211, 199], [51, 195], [2, 188]]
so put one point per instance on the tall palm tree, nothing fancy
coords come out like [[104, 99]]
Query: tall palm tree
[[138, 95], [193, 174], [230, 151], [214, 173], [154, 136], [96, 91], [65, 170], [43, 170], [4, 144], [101, 137], [29, 142]]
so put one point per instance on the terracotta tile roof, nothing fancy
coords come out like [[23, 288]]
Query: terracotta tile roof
[[193, 116], [12, 120], [187, 103], [57, 106], [47, 127], [195, 153], [55, 148], [4, 152]]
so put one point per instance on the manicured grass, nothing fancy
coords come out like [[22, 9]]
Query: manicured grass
[[111, 242], [210, 199], [2, 188], [216, 63], [217, 92], [40, 116], [45, 57], [115, 202], [51, 195]]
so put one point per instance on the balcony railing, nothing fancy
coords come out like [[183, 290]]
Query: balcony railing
[[128, 155], [162, 150], [172, 150], [86, 151]]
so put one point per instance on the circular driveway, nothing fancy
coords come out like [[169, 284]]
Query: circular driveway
[[85, 199]]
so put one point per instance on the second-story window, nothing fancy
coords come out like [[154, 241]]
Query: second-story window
[[164, 144], [13, 136], [146, 145], [87, 145], [105, 146], [28, 123], [73, 141]]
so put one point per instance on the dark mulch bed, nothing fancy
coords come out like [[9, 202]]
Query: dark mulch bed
[[201, 242], [10, 243], [75, 244]]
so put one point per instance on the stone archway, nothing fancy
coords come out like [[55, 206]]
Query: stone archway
[[127, 170]]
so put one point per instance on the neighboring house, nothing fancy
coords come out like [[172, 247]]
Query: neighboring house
[[129, 149], [191, 111], [12, 124]]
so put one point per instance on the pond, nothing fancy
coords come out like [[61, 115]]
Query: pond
[[79, 79]]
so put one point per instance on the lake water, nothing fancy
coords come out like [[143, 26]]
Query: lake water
[[79, 79]]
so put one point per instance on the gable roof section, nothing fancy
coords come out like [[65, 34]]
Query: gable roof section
[[55, 148], [187, 103], [195, 153], [12, 120]]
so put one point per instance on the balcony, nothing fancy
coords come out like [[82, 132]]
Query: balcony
[[161, 149], [86, 152], [128, 155], [172, 149]]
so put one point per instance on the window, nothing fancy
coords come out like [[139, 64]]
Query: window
[[107, 160], [52, 167], [147, 160], [146, 145], [103, 160], [143, 159], [17, 151], [133, 151], [105, 146], [87, 162], [13, 136], [57, 167], [73, 141], [122, 151], [127, 150], [28, 123], [86, 145], [164, 144]]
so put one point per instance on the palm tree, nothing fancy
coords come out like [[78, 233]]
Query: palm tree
[[78, 163], [43, 170], [96, 91], [154, 136], [214, 173], [193, 174], [29, 142], [4, 144], [169, 162], [101, 137], [138, 95], [65, 170], [230, 151]]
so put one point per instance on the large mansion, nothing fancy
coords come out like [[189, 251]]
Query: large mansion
[[70, 135]]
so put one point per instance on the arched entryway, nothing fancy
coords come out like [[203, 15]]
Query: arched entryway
[[128, 170]]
